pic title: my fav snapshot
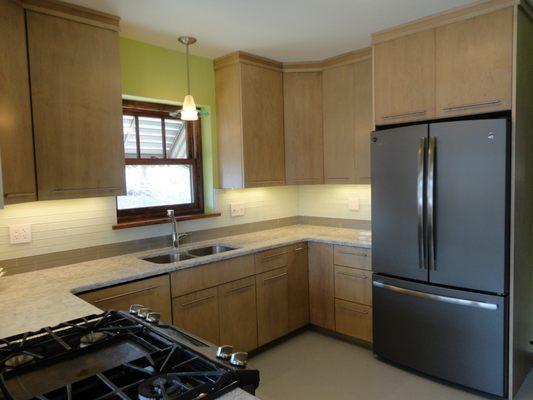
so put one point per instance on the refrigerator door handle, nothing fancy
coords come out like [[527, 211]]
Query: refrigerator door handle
[[430, 203], [420, 200], [436, 297]]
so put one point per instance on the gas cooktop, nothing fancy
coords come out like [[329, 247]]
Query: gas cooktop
[[116, 355]]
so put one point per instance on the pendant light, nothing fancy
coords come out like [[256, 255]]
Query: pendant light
[[188, 111]]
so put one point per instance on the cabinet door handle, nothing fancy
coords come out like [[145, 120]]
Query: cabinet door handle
[[238, 289], [355, 311], [473, 105], [190, 303], [350, 253], [14, 195], [274, 277], [270, 257], [352, 275], [407, 114], [125, 294], [66, 190]]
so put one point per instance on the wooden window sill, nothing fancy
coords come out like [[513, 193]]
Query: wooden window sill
[[156, 221]]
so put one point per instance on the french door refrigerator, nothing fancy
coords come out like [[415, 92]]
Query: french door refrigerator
[[440, 226]]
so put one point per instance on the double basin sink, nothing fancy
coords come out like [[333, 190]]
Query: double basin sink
[[180, 255]]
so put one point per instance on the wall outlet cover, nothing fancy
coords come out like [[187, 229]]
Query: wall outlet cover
[[237, 209], [353, 204], [20, 233]]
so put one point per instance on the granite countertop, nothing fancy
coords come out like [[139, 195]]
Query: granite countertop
[[46, 297]]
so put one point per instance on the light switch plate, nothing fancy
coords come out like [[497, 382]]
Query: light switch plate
[[237, 209], [20, 233], [353, 204]]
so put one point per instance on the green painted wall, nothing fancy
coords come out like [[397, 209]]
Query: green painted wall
[[158, 74]]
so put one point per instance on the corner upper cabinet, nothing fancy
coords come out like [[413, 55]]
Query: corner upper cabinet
[[76, 100], [474, 66], [16, 137], [249, 94], [304, 159], [404, 78]]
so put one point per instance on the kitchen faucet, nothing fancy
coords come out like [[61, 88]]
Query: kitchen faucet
[[175, 235]]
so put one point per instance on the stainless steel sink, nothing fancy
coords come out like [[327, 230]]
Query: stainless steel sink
[[206, 251], [177, 256]]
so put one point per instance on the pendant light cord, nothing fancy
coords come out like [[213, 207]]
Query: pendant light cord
[[187, 62]]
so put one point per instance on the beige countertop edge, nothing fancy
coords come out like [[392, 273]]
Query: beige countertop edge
[[45, 297]]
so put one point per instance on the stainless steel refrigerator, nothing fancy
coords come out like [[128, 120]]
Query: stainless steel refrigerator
[[440, 249]]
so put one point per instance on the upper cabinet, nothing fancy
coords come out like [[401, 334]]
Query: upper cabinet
[[77, 109], [475, 65], [302, 95], [249, 94], [16, 137], [447, 65], [404, 84]]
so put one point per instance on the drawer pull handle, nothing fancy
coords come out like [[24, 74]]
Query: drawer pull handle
[[238, 289], [14, 195], [270, 257], [353, 275], [274, 277], [124, 294], [298, 249], [353, 254], [355, 311], [190, 303], [408, 114], [473, 105]]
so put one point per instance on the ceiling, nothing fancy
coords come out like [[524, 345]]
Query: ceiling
[[284, 30]]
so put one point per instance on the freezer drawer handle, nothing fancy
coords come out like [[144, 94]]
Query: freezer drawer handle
[[436, 297]]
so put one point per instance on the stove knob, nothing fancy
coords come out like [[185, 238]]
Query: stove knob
[[143, 312], [224, 352], [153, 317], [239, 359], [134, 308]]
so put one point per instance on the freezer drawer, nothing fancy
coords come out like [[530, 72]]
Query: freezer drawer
[[453, 335]]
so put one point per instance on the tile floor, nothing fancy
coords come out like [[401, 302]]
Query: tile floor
[[313, 366]]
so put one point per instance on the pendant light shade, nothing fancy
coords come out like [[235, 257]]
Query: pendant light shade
[[188, 111]]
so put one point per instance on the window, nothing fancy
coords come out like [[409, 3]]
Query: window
[[163, 163]]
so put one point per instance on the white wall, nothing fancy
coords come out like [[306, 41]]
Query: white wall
[[71, 224]]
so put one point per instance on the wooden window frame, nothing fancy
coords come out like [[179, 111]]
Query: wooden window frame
[[194, 158]]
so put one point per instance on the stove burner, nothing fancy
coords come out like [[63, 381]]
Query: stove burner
[[18, 360], [91, 338], [160, 387]]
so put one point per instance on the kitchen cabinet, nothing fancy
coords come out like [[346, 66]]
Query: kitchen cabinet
[[77, 106], [353, 285], [321, 286], [354, 257], [353, 319], [298, 275], [272, 305], [474, 68], [404, 78], [198, 313], [302, 99], [238, 314], [16, 136], [249, 93], [364, 119], [152, 292], [271, 259]]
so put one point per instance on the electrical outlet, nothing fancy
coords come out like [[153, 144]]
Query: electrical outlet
[[353, 204], [20, 233], [237, 209]]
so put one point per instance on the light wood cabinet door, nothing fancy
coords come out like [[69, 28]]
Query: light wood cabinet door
[[338, 114], [238, 314], [353, 285], [262, 125], [153, 293], [404, 80], [304, 150], [16, 137], [321, 285], [298, 287], [364, 122], [77, 108], [272, 305], [198, 313], [474, 64], [353, 320]]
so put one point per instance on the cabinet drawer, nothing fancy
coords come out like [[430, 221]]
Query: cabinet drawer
[[354, 257], [272, 259], [206, 276], [353, 320], [353, 285]]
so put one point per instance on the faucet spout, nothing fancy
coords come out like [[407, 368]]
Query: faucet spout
[[175, 234]]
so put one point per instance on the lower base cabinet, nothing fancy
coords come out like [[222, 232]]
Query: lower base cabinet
[[272, 305], [238, 315], [298, 272], [198, 313], [353, 319], [321, 286]]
